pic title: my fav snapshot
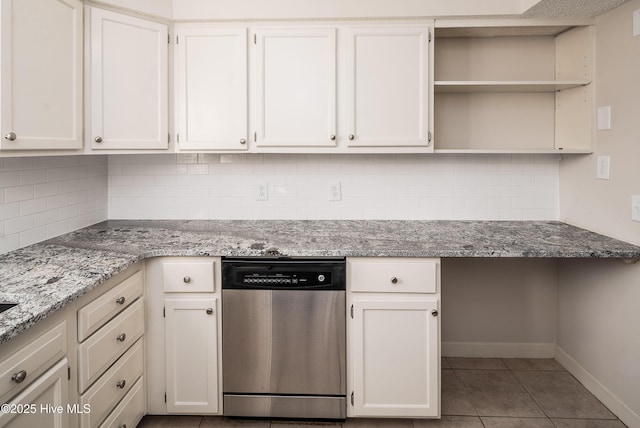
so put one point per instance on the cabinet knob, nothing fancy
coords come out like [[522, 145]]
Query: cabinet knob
[[243, 141], [19, 377], [121, 337], [394, 280], [352, 137], [209, 311], [98, 139], [120, 300], [434, 312], [332, 137], [123, 426], [11, 136], [186, 279], [121, 383]]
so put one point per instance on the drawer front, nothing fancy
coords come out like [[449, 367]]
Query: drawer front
[[107, 344], [20, 369], [392, 275], [130, 410], [112, 386], [101, 310], [186, 277]]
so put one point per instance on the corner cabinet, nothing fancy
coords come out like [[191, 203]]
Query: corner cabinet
[[388, 86], [41, 77], [127, 82], [211, 88], [393, 342]]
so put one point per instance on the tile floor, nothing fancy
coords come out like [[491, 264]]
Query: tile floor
[[476, 393]]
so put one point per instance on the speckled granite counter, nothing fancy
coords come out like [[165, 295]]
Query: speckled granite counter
[[44, 277]]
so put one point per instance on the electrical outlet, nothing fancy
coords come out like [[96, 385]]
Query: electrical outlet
[[335, 192], [262, 191], [603, 168], [635, 207], [636, 23]]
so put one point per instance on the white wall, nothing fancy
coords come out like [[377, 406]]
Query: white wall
[[207, 186], [598, 314], [42, 197]]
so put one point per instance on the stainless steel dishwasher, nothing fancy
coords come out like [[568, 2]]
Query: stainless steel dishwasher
[[283, 338]]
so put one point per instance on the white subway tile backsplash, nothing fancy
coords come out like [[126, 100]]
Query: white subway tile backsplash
[[18, 193]]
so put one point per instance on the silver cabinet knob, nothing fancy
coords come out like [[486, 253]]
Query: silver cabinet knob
[[243, 141], [98, 139], [209, 311], [19, 377], [394, 280], [121, 337], [11, 136], [123, 426], [352, 137], [186, 279], [120, 300], [434, 312], [332, 137], [121, 383]]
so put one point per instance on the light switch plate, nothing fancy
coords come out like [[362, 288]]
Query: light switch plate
[[636, 23], [603, 167], [603, 118], [635, 207]]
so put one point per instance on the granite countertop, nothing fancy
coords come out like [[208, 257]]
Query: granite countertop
[[44, 277]]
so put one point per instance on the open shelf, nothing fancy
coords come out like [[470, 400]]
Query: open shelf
[[467, 86]]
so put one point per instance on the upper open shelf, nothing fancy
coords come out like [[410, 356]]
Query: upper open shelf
[[468, 86]]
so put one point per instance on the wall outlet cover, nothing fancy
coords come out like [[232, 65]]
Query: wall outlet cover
[[262, 191], [335, 191], [602, 168], [636, 23], [635, 207]]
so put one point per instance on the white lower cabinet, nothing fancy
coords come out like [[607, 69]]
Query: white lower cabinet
[[43, 403], [393, 342], [192, 355]]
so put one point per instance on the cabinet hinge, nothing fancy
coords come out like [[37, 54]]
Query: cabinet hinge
[[168, 138], [429, 36], [255, 136], [177, 39], [351, 311], [429, 136], [164, 313], [165, 397], [168, 38], [68, 372], [178, 138], [255, 39], [352, 398]]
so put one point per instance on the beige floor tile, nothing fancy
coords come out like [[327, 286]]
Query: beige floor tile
[[305, 424], [588, 423], [562, 396], [532, 364], [449, 422], [377, 423], [517, 422], [476, 363], [150, 421], [498, 393], [454, 397], [222, 422]]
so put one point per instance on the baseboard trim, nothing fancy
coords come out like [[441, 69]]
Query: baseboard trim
[[498, 350], [609, 399]]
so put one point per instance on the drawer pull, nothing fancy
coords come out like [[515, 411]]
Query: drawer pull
[[434, 312], [121, 337], [209, 311], [121, 383], [19, 377], [394, 280], [120, 300], [186, 279], [123, 426]]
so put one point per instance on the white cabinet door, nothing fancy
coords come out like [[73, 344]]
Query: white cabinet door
[[296, 87], [211, 83], [41, 77], [396, 358], [388, 86], [41, 402], [192, 355], [128, 89]]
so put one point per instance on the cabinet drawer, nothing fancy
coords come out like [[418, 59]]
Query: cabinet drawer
[[97, 313], [130, 410], [107, 344], [112, 386], [395, 275], [188, 276], [32, 360]]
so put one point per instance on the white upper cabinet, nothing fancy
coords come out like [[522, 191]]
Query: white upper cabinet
[[211, 88], [41, 77], [295, 98], [127, 82], [388, 86]]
